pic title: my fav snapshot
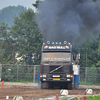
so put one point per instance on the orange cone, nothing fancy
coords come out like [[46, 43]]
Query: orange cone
[[84, 96], [2, 83], [57, 98]]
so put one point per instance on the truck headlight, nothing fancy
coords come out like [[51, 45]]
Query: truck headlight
[[44, 79], [68, 79], [67, 75], [44, 75]]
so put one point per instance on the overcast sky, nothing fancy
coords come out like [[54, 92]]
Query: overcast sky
[[25, 3]]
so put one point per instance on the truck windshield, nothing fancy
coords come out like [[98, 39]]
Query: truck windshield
[[56, 56]]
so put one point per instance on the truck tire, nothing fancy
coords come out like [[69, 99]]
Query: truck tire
[[44, 85], [69, 85], [51, 86]]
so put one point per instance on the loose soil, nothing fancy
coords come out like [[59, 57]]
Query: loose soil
[[32, 90]]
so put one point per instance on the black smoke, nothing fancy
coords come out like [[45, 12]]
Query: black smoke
[[70, 20]]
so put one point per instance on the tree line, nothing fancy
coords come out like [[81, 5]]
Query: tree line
[[23, 38], [7, 14], [89, 52]]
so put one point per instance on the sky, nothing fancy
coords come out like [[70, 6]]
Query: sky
[[25, 3]]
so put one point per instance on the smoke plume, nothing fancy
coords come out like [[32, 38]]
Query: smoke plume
[[70, 20]]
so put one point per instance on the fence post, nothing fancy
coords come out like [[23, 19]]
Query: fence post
[[17, 73], [34, 73], [0, 71], [85, 74]]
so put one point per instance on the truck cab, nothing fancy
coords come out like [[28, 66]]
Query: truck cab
[[56, 65]]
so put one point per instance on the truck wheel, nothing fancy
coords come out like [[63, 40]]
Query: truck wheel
[[44, 85], [69, 86]]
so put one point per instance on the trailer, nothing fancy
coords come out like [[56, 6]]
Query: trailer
[[56, 65]]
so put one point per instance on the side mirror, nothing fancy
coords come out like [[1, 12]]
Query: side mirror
[[39, 56], [74, 57]]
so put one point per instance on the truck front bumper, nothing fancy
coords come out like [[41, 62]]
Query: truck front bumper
[[56, 79], [60, 77]]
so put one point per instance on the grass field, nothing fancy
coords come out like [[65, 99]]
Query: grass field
[[88, 98]]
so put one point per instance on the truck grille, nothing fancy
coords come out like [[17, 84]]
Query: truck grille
[[64, 69], [56, 71]]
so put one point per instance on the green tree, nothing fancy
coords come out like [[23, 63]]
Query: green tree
[[90, 53], [36, 3], [94, 0], [98, 52], [27, 35], [7, 45], [7, 14], [1, 52]]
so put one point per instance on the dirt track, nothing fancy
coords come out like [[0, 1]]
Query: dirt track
[[31, 90]]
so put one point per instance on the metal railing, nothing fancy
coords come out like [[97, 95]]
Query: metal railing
[[18, 73], [89, 75], [29, 73]]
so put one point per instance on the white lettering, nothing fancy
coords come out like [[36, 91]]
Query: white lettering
[[57, 59], [57, 47]]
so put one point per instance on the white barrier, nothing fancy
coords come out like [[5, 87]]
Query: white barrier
[[69, 97], [83, 96]]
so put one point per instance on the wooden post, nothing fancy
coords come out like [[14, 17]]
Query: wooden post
[[78, 96]]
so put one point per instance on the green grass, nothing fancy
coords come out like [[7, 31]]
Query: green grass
[[94, 98], [21, 81], [83, 83], [88, 98]]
